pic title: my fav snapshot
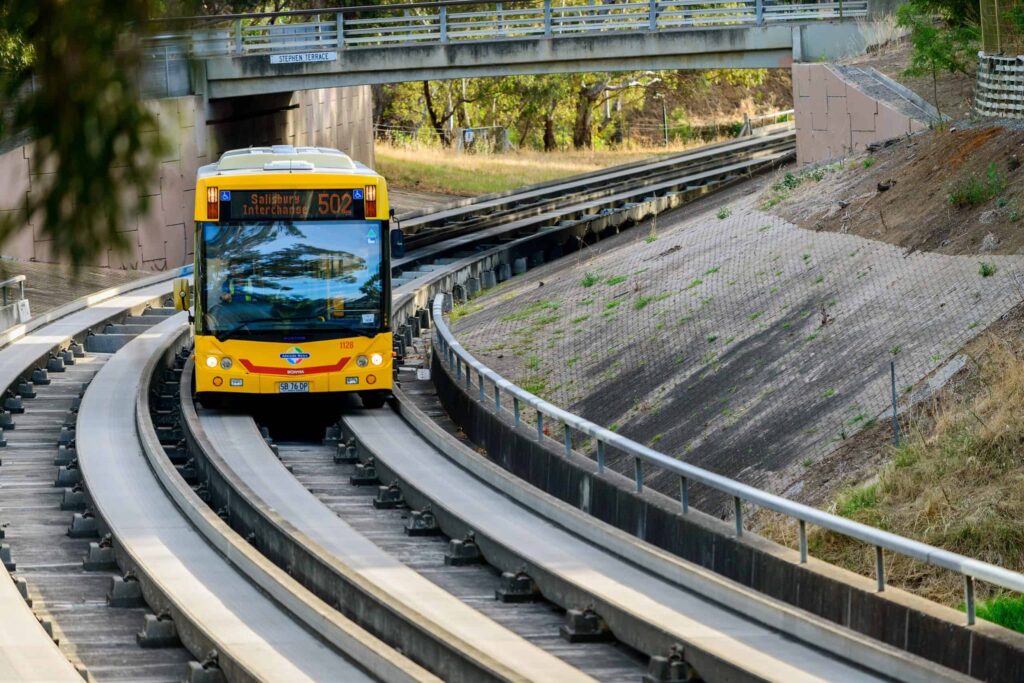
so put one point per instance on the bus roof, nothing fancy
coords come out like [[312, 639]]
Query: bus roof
[[283, 158]]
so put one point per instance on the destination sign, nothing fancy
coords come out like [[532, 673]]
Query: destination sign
[[304, 205]]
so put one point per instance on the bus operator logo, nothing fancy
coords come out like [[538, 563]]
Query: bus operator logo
[[294, 355]]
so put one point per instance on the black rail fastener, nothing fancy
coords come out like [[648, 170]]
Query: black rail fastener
[[55, 364], [584, 626], [25, 390], [389, 497], [100, 557], [670, 668], [346, 453], [13, 404], [73, 499], [125, 592], [516, 587], [462, 552], [365, 474], [207, 671], [5, 557], [422, 523], [68, 356], [83, 525], [158, 631], [40, 377]]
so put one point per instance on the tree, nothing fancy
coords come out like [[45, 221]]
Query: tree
[[589, 96], [69, 68], [935, 48]]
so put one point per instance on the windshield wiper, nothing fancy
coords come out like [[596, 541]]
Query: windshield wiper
[[224, 334]]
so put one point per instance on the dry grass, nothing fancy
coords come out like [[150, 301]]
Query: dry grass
[[435, 169], [955, 483]]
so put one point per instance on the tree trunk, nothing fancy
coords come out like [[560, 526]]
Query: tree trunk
[[435, 120], [582, 128], [935, 93], [550, 144]]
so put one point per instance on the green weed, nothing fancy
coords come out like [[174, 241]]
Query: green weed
[[590, 279], [857, 499], [642, 301], [615, 279], [986, 269], [869, 162], [723, 213], [973, 191]]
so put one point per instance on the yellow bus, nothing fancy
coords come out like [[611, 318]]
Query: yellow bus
[[292, 285]]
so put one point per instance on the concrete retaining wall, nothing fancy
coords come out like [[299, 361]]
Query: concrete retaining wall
[[196, 135], [895, 617], [842, 111]]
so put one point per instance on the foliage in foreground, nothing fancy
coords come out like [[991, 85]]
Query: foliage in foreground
[[70, 70]]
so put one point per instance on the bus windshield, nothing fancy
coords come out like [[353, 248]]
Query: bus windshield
[[274, 276]]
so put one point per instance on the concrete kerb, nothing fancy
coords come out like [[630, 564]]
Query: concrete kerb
[[769, 611], [894, 617], [327, 576], [322, 619]]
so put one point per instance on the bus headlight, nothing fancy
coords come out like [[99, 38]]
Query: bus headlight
[[226, 363], [361, 361], [211, 361], [376, 359]]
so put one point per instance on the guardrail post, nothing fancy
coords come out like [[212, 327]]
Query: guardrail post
[[738, 504], [600, 456], [540, 426], [547, 17], [458, 369], [684, 494], [652, 15], [803, 542], [469, 376], [969, 598], [340, 23], [638, 474], [568, 439], [480, 377], [443, 19], [515, 409], [238, 36], [879, 568], [497, 399], [759, 11]]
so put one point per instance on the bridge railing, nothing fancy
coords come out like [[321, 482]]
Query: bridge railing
[[464, 366], [460, 20]]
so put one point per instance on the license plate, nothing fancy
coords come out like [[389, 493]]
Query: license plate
[[292, 387]]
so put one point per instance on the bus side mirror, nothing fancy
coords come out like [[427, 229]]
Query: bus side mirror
[[397, 243], [182, 295]]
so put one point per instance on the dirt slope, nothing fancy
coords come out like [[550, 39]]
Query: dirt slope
[[951, 192]]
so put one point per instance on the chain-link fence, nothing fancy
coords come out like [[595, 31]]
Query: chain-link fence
[[736, 341], [1002, 27]]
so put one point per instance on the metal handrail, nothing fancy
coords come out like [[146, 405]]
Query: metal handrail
[[9, 282], [460, 360], [350, 27]]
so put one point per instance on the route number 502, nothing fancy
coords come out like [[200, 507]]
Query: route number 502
[[334, 203]]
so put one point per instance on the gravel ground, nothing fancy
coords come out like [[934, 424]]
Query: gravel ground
[[734, 339]]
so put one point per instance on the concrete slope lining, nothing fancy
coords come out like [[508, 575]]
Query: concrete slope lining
[[683, 615], [246, 625]]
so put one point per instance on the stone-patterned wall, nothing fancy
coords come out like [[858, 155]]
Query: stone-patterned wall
[[334, 117], [835, 118], [999, 89]]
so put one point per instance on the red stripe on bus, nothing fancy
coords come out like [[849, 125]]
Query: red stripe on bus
[[314, 370]]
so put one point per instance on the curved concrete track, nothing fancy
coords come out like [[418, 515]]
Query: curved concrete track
[[235, 443], [642, 607], [206, 591], [27, 653]]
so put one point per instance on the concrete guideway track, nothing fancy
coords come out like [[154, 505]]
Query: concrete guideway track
[[234, 446], [211, 601], [27, 653], [59, 589], [642, 608]]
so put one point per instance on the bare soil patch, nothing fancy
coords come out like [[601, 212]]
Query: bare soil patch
[[959, 191]]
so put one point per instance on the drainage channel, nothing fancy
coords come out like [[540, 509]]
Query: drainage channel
[[51, 539]]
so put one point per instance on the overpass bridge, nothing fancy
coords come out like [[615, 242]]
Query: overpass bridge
[[257, 54]]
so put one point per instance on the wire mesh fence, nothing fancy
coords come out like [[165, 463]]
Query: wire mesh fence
[[735, 340]]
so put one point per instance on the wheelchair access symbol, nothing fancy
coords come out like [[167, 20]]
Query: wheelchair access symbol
[[225, 195], [357, 194]]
